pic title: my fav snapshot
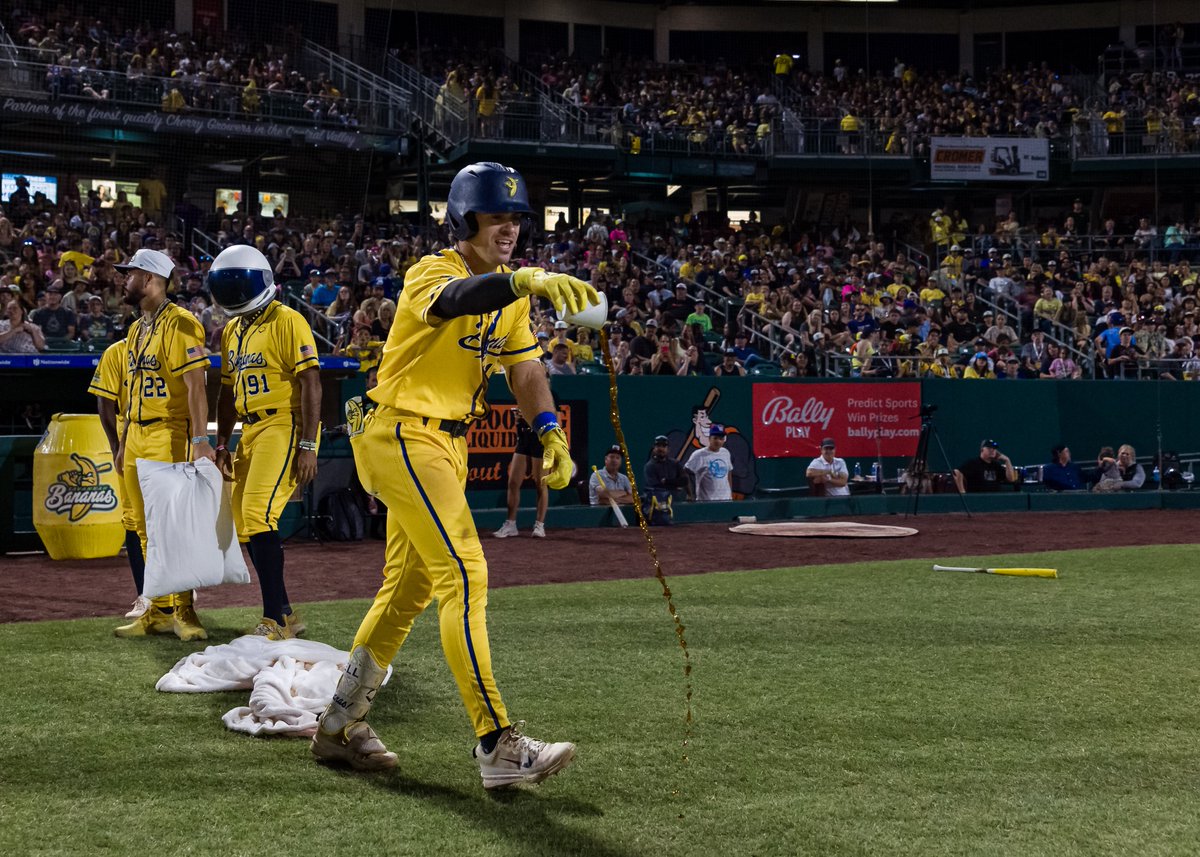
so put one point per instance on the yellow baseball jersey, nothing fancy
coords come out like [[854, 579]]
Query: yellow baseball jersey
[[260, 359], [439, 368], [159, 350], [110, 380]]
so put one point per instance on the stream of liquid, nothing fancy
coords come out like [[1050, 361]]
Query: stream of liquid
[[614, 416]]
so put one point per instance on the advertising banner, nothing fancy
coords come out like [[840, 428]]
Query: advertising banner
[[158, 122], [867, 420], [989, 159], [491, 441]]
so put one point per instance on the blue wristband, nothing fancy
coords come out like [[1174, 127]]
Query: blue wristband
[[545, 421]]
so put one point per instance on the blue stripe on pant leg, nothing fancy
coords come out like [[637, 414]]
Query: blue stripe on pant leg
[[462, 570]]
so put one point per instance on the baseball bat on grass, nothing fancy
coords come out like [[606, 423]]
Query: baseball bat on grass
[[1015, 572]]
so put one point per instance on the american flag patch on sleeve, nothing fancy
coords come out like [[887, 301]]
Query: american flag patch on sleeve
[[195, 351], [307, 350]]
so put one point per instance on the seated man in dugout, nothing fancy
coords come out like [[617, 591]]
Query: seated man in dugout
[[1122, 473], [989, 471]]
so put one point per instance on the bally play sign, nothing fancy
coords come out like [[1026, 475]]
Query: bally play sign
[[867, 420]]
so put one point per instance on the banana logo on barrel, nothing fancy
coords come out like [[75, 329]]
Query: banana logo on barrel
[[77, 492]]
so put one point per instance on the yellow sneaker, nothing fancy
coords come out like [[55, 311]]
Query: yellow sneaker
[[153, 621], [272, 630], [295, 625], [185, 622]]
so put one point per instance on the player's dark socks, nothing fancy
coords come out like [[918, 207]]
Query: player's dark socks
[[488, 742], [266, 551], [137, 562]]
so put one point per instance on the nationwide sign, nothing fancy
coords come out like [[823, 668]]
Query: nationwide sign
[[157, 122], [866, 420], [989, 159]]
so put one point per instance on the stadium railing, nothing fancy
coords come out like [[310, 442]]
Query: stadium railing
[[1091, 145], [88, 85]]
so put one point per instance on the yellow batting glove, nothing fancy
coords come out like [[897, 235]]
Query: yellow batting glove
[[562, 290], [556, 461]]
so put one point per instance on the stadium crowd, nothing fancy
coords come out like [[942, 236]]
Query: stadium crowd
[[692, 296], [739, 108], [103, 59]]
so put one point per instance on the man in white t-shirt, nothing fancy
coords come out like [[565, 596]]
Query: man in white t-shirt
[[829, 470], [610, 484], [712, 467]]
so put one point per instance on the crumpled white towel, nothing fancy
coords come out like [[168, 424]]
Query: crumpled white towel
[[290, 682]]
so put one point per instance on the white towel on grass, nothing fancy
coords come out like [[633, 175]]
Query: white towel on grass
[[290, 682]]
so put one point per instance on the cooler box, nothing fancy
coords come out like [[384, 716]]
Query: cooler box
[[76, 490]]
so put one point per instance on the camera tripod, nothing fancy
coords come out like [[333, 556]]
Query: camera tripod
[[918, 472]]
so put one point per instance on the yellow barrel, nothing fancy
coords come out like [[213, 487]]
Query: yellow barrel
[[76, 490]]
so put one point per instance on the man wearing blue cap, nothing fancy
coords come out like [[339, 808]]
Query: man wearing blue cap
[[712, 467]]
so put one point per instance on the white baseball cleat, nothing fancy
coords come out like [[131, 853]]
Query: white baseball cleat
[[539, 530], [140, 605], [508, 529], [517, 758]]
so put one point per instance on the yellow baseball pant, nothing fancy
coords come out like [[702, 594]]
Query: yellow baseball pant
[[433, 551], [164, 440], [264, 474]]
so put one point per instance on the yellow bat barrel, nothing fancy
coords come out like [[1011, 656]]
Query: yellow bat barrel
[[1026, 572]]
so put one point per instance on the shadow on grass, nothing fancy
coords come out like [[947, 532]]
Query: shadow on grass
[[526, 816]]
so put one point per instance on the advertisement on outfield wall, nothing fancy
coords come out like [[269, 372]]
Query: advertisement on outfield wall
[[989, 159], [492, 440], [866, 420]]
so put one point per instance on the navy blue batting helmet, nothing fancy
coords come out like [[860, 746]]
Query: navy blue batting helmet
[[487, 188]]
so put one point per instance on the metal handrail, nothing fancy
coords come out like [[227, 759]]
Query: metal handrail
[[100, 87], [1097, 143], [365, 85], [443, 116]]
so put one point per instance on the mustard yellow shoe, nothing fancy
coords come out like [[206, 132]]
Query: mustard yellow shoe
[[186, 624], [271, 629], [295, 625], [153, 621]]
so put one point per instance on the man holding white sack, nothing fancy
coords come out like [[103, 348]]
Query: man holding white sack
[[166, 415]]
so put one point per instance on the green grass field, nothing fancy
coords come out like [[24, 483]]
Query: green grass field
[[859, 709]]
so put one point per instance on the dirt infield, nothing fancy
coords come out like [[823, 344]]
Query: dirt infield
[[35, 587]]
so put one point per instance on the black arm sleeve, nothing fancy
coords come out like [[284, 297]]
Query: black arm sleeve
[[475, 295]]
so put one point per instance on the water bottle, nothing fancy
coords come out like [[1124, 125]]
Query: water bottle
[[857, 470], [876, 473], [1157, 475]]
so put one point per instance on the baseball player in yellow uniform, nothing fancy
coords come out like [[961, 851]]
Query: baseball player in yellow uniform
[[461, 316], [110, 386], [270, 379], [166, 416]]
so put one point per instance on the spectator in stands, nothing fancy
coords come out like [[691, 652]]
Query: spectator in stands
[[980, 366], [609, 484], [1124, 359], [1061, 474], [324, 293], [55, 320], [699, 316], [729, 365], [1122, 473], [95, 326], [19, 335], [990, 471], [560, 360], [366, 351]]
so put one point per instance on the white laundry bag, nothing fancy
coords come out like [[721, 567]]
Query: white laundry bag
[[190, 538]]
